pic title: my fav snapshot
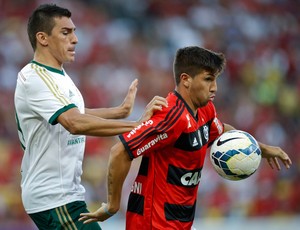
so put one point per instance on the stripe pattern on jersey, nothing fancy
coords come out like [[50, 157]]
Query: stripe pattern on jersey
[[144, 166], [53, 87], [182, 213], [136, 203], [194, 141], [172, 116]]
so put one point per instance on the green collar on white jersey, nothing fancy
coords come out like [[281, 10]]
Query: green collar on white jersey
[[49, 68]]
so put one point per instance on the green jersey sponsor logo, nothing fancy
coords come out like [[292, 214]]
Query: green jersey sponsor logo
[[76, 141]]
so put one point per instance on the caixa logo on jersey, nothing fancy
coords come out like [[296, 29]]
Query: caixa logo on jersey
[[183, 177], [146, 123]]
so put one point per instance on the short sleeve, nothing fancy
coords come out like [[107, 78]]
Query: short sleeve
[[160, 131], [216, 127], [45, 97]]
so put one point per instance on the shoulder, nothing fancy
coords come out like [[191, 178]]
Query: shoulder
[[175, 107], [31, 70], [169, 117], [34, 78], [177, 112], [26, 76]]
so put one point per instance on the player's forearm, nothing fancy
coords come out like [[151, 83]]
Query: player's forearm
[[106, 127], [118, 168], [119, 112], [84, 124]]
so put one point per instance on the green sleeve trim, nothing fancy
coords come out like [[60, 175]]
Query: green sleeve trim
[[53, 118], [19, 128], [22, 146], [18, 123]]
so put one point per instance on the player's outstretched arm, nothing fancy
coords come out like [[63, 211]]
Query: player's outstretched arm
[[87, 124], [84, 124], [121, 111], [118, 168], [273, 154]]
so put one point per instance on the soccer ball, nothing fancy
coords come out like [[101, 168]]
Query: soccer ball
[[235, 155]]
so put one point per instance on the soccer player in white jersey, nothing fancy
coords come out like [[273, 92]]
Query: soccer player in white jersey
[[53, 121]]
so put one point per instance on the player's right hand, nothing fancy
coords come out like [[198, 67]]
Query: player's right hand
[[99, 215], [157, 103]]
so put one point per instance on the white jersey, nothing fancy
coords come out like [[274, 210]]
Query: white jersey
[[52, 163]]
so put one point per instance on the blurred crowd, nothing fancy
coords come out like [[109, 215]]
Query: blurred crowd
[[119, 41]]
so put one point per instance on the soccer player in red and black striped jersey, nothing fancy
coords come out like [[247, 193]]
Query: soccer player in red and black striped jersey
[[173, 144]]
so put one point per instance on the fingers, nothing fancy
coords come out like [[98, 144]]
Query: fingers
[[158, 101], [270, 163], [132, 89], [276, 163], [100, 215], [133, 85], [127, 104], [84, 216], [274, 154], [285, 159], [87, 218], [287, 163], [90, 220]]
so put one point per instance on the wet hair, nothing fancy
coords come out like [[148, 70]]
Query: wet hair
[[193, 60], [42, 20]]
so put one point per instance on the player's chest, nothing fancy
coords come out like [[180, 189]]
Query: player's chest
[[70, 91], [195, 135]]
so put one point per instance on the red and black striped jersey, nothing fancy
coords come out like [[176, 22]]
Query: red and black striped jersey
[[173, 145]]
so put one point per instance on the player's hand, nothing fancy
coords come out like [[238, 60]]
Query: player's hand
[[157, 103], [101, 214], [273, 154], [127, 104]]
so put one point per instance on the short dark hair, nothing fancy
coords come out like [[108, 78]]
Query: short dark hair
[[42, 20], [192, 60]]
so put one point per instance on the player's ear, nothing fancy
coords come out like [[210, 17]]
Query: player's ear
[[42, 38], [186, 80]]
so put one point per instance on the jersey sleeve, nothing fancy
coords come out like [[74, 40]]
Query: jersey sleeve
[[161, 130], [45, 97], [216, 127]]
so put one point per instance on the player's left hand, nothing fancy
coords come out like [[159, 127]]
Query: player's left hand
[[101, 214], [128, 102], [273, 154]]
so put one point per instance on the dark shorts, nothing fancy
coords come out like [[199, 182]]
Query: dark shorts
[[64, 217]]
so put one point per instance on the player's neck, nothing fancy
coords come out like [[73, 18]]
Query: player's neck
[[185, 96], [47, 60]]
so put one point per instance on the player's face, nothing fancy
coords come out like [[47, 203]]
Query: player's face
[[203, 89], [62, 41]]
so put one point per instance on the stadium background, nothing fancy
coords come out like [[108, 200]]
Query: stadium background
[[121, 40]]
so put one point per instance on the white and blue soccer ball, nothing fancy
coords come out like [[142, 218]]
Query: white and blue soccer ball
[[235, 155]]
